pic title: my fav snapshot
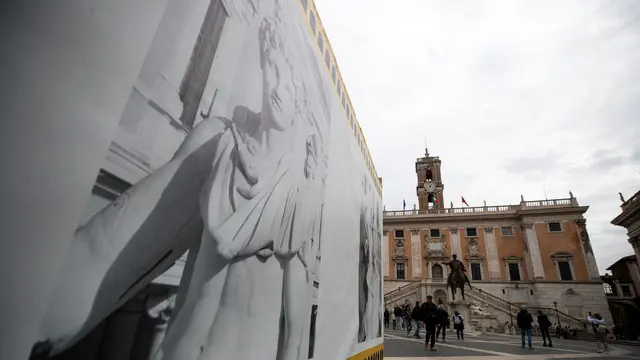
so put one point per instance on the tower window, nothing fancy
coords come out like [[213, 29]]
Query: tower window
[[431, 198], [428, 175]]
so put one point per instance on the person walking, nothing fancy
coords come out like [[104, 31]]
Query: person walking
[[397, 317], [416, 317], [386, 318], [407, 318], [544, 324], [458, 325], [429, 312], [600, 332], [443, 322], [525, 321]]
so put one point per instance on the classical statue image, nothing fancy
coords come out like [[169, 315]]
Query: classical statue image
[[244, 195], [457, 276]]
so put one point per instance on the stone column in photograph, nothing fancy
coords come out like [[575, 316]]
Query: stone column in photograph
[[456, 248], [416, 258]]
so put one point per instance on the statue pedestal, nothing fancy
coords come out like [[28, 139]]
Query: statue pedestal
[[463, 307]]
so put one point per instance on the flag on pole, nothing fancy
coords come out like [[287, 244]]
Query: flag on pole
[[404, 205], [464, 201]]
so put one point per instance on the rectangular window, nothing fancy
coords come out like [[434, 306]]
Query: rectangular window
[[472, 231], [506, 230], [320, 42], [304, 4], [565, 270], [476, 271], [400, 271], [344, 104], [399, 234], [626, 290], [348, 110], [514, 272], [554, 227], [312, 22], [333, 74], [339, 88], [434, 233], [197, 74], [327, 59]]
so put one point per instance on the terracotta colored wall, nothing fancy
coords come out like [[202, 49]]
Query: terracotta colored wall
[[511, 246], [566, 241]]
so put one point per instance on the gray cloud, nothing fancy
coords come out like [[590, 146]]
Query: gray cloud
[[516, 97]]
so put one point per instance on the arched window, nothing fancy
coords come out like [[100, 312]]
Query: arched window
[[436, 272], [429, 175], [608, 289]]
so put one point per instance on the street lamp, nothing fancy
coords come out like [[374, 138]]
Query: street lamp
[[555, 306]]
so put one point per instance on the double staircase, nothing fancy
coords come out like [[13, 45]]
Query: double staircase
[[507, 309], [400, 293], [512, 309]]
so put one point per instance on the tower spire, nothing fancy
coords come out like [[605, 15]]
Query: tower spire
[[426, 149]]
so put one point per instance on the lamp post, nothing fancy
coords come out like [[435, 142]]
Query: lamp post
[[555, 306]]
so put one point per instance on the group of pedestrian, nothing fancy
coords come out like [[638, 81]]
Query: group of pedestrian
[[435, 319], [525, 323]]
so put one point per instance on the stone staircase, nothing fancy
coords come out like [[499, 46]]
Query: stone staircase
[[510, 309], [400, 293]]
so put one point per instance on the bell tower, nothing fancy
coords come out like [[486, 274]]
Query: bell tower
[[430, 187]]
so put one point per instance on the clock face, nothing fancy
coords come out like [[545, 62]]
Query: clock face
[[429, 186]]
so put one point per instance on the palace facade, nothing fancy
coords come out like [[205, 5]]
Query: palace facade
[[535, 253]]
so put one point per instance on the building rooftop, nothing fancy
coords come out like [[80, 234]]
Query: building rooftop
[[553, 205], [625, 259], [630, 210]]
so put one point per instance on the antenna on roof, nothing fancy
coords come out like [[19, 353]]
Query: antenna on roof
[[426, 149]]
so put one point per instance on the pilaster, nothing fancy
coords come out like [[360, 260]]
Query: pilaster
[[385, 253], [635, 244], [456, 248], [587, 250], [535, 259], [416, 258], [493, 261]]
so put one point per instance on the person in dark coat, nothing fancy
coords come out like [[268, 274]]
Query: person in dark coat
[[443, 322], [429, 312], [386, 318], [417, 318], [525, 323], [545, 324]]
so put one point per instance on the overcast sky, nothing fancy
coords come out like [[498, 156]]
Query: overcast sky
[[515, 97]]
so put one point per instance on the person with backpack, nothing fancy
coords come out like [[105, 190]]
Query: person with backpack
[[443, 322], [458, 325], [600, 332], [544, 324], [416, 317], [525, 323], [429, 312]]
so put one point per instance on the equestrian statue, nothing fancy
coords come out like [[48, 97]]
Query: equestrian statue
[[457, 277]]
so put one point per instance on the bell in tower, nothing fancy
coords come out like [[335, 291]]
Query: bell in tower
[[430, 187]]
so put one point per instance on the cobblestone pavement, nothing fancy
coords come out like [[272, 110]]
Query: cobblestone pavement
[[399, 346]]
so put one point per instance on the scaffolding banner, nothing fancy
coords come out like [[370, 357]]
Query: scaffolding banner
[[239, 182]]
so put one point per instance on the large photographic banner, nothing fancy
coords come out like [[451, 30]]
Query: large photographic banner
[[235, 146]]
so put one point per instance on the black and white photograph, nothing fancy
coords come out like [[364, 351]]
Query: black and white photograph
[[370, 268], [212, 190]]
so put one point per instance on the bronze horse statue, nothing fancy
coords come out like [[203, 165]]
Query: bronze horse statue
[[457, 280]]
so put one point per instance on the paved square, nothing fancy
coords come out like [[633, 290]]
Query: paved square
[[399, 346]]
